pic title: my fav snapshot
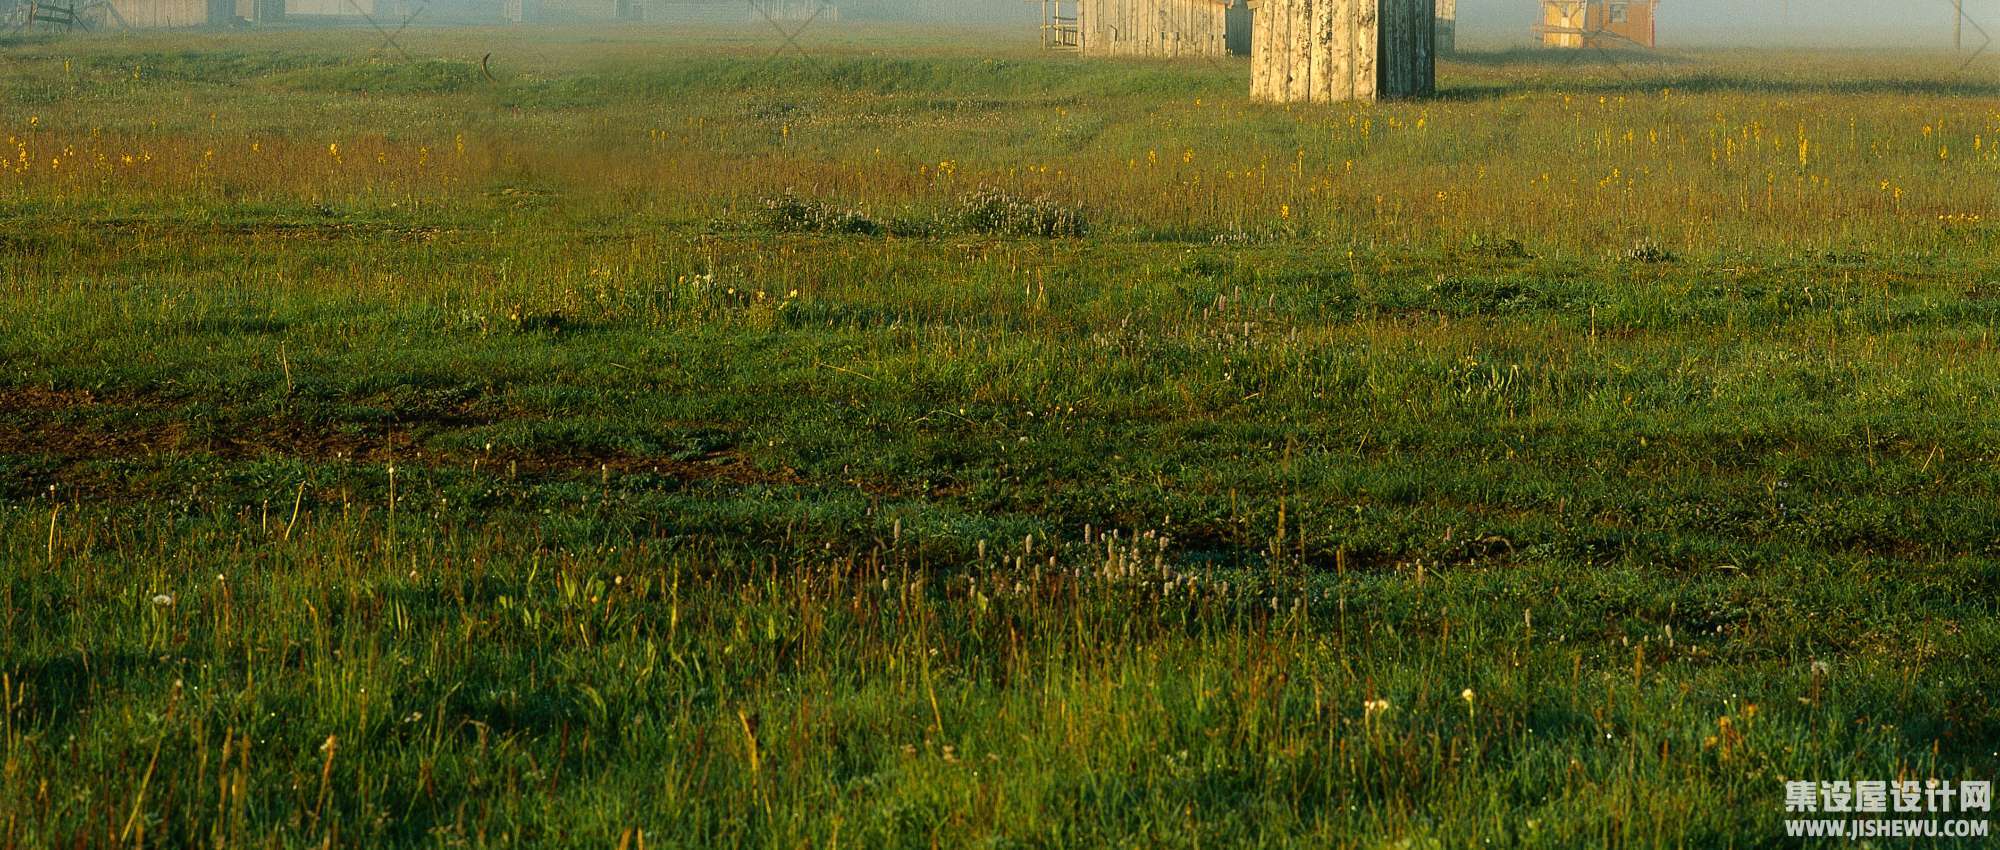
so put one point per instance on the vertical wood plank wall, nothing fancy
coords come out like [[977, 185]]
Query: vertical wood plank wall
[[1447, 27], [150, 14], [1152, 27], [1409, 43], [1321, 51], [1562, 22], [1638, 27]]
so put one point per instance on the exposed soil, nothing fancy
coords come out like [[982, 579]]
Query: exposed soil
[[42, 423]]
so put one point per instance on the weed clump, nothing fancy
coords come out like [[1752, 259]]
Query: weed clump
[[789, 213], [1208, 265], [992, 211], [987, 211], [1648, 251], [424, 77], [1501, 247]]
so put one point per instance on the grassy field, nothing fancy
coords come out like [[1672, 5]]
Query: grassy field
[[934, 443]]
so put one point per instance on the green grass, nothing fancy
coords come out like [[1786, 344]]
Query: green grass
[[943, 444]]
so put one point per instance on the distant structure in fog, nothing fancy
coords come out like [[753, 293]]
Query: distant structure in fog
[[1447, 27], [1596, 23], [669, 11], [49, 15], [159, 14], [1163, 28], [167, 14], [1331, 50]]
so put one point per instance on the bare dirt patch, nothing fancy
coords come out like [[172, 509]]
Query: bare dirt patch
[[71, 429]]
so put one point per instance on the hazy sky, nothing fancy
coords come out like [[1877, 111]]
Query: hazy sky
[[1897, 22]]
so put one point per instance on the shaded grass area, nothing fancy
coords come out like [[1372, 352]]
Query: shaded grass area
[[422, 680], [452, 475], [628, 570]]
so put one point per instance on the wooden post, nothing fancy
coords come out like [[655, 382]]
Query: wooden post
[[1257, 32], [1298, 41], [1367, 44], [1315, 65], [1339, 39], [1281, 35]]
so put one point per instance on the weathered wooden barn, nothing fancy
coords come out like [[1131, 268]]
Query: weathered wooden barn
[[335, 10], [260, 11], [1597, 23], [1163, 28], [172, 14], [161, 14], [671, 12], [1332, 50], [578, 11]]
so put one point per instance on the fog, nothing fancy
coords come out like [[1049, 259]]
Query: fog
[[1900, 23], [1682, 23]]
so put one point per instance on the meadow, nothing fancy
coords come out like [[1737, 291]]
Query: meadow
[[625, 438]]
